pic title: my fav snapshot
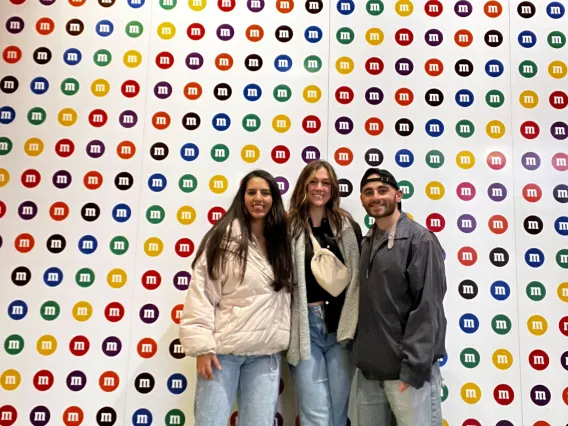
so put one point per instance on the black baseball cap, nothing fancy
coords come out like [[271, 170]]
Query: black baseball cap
[[384, 176]]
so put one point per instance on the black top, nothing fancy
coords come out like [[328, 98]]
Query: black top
[[315, 292]]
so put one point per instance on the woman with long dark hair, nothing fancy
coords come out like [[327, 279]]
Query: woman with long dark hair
[[236, 318], [325, 302]]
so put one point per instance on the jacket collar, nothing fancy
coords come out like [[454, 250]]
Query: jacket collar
[[401, 231]]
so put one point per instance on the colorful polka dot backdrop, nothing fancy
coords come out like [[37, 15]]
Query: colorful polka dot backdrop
[[125, 126]]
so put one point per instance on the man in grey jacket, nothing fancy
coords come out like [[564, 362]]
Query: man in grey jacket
[[402, 326]]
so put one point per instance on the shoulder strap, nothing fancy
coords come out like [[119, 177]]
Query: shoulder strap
[[315, 243], [314, 240]]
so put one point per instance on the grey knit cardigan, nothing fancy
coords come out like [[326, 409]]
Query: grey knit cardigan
[[300, 346]]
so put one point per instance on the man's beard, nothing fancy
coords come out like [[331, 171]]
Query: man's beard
[[389, 208]]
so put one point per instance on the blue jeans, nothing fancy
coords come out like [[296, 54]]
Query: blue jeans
[[257, 380], [379, 402], [323, 382]]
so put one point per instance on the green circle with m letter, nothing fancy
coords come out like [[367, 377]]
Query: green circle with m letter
[[282, 93], [470, 358], [562, 258], [70, 87], [119, 245], [187, 183], [556, 39], [102, 58], [37, 116], [495, 98], [175, 417], [134, 29], [536, 291], [155, 214], [6, 145], [251, 122], [435, 159], [465, 128], [528, 69], [313, 63], [220, 153], [168, 4], [369, 221], [14, 344], [345, 35], [445, 392], [49, 310], [407, 189], [85, 277], [501, 324], [375, 7]]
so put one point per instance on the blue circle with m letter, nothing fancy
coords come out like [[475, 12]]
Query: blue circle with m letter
[[443, 361], [88, 244], [313, 34], [105, 28], [221, 122], [434, 128], [252, 92], [53, 276], [39, 85], [534, 258], [177, 383], [283, 63], [142, 417], [555, 10], [72, 56], [17, 310], [469, 323], [500, 290], [464, 98], [157, 182], [404, 158], [7, 115], [189, 151], [561, 225], [121, 213], [136, 4], [494, 68], [346, 7], [527, 39]]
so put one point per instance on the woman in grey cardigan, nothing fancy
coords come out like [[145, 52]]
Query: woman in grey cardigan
[[323, 326]]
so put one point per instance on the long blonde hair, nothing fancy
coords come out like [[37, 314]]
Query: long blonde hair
[[299, 204]]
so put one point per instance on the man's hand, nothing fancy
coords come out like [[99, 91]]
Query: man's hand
[[402, 386], [204, 365]]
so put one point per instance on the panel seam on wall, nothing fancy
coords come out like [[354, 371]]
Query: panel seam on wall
[[139, 216], [513, 166], [328, 110]]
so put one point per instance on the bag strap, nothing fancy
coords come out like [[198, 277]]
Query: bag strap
[[315, 242]]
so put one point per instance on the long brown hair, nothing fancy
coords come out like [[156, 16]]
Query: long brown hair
[[278, 244], [300, 206]]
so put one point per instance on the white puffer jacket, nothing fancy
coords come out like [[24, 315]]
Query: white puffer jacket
[[228, 316]]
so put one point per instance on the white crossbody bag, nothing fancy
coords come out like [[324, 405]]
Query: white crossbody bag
[[330, 273]]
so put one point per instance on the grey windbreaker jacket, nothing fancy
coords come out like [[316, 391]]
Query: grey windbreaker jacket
[[402, 325]]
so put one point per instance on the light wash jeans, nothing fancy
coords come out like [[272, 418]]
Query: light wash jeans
[[323, 382], [380, 403], [256, 382]]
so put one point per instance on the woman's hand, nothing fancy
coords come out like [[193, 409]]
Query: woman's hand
[[204, 365]]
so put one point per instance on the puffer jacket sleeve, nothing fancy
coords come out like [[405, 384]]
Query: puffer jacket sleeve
[[197, 324]]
